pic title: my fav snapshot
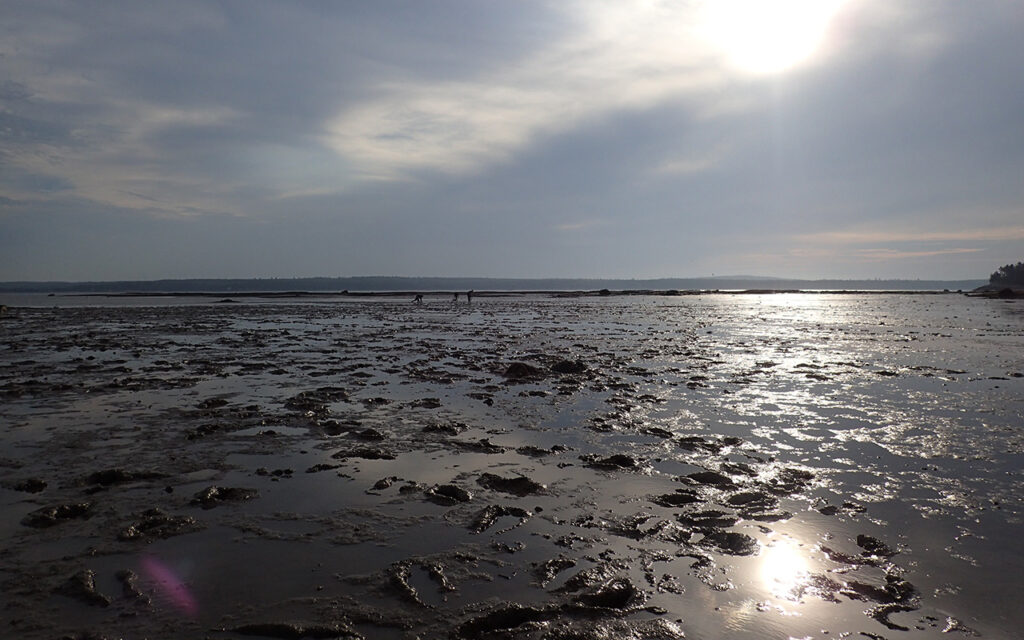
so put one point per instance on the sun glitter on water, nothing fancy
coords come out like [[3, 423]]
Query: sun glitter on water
[[768, 36], [784, 569]]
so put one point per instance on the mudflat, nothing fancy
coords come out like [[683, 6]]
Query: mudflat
[[758, 466]]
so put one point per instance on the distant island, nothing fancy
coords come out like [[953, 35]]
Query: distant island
[[364, 284], [1010, 275], [1005, 282]]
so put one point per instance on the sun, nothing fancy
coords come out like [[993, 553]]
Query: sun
[[768, 36]]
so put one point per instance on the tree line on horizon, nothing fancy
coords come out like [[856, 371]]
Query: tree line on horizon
[[1008, 274]]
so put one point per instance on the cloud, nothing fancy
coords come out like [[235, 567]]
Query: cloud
[[694, 163], [878, 236], [619, 56], [895, 254], [161, 108], [868, 262], [581, 225], [531, 138]]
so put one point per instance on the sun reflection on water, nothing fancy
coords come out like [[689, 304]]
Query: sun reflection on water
[[784, 569]]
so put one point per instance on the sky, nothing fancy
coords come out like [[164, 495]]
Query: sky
[[477, 138]]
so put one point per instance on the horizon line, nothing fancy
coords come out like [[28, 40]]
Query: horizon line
[[521, 278]]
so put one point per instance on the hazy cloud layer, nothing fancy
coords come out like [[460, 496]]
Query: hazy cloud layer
[[619, 139]]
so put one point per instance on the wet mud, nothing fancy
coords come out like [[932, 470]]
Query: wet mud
[[743, 467]]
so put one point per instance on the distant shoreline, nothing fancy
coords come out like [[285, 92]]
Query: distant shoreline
[[388, 285], [228, 295]]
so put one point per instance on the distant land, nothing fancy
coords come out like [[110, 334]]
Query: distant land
[[425, 284]]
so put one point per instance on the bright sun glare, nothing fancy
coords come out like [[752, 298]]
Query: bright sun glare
[[768, 36], [783, 568]]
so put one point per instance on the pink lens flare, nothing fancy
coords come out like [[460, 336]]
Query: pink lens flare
[[170, 585]]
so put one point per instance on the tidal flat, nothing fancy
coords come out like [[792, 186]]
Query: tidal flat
[[525, 467]]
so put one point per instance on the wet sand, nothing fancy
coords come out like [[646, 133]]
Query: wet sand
[[758, 466]]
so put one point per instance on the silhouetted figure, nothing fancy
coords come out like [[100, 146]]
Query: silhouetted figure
[[469, 296], [455, 297], [418, 299]]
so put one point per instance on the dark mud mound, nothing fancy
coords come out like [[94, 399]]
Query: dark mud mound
[[337, 428], [512, 616], [384, 483], [547, 570], [617, 594], [52, 516], [157, 524], [520, 371], [370, 434], [596, 614], [731, 543], [713, 478], [710, 445], [448, 494], [213, 496], [28, 485], [447, 428], [518, 486], [323, 466], [619, 461], [846, 508], [757, 505], [130, 587], [680, 498], [752, 500], [366, 453], [884, 586], [483, 445], [82, 587], [569, 367], [789, 481], [707, 520], [614, 630], [315, 403], [489, 515], [874, 547], [110, 477], [400, 574]]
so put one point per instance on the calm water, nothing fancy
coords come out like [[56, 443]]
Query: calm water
[[724, 466]]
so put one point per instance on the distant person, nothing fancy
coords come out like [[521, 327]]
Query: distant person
[[455, 297], [418, 299], [469, 296]]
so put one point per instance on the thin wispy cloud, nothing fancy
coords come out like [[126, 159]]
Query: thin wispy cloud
[[885, 235], [896, 254], [580, 225], [694, 162]]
